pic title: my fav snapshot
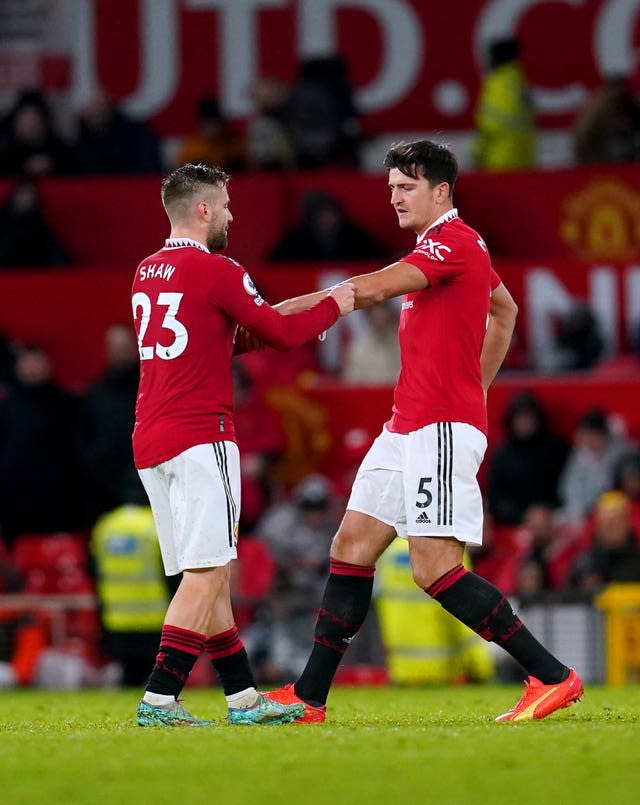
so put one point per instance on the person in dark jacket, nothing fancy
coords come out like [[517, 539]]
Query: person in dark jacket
[[111, 142], [525, 467], [325, 233], [25, 236], [108, 415], [38, 478], [30, 146]]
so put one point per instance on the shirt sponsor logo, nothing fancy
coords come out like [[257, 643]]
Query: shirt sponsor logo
[[407, 305], [433, 249]]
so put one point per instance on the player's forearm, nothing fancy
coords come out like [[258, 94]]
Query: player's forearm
[[285, 332], [370, 289], [299, 303], [495, 346], [366, 295]]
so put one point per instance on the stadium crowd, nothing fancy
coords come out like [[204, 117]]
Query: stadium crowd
[[561, 514]]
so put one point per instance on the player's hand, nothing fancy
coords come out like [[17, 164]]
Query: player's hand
[[247, 342], [345, 296]]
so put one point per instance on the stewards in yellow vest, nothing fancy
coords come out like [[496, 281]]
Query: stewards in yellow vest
[[131, 586], [424, 643], [505, 121]]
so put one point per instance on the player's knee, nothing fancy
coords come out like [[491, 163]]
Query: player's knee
[[347, 546], [205, 583], [422, 576], [425, 575]]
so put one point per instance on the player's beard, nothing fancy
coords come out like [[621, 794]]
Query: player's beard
[[217, 237]]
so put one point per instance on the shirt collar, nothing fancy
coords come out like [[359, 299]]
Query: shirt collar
[[180, 243], [447, 216]]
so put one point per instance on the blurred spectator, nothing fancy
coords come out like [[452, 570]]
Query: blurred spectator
[[589, 470], [608, 128], [321, 116], [615, 555], [374, 356], [133, 592], [261, 441], [108, 416], [38, 489], [109, 141], [213, 141], [268, 145], [548, 543], [505, 120], [32, 148], [525, 468], [25, 236], [325, 234], [533, 557], [299, 535], [579, 344]]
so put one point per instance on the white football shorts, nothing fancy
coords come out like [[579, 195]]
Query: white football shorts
[[424, 483], [195, 499]]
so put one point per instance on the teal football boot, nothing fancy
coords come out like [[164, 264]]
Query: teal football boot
[[168, 715], [265, 711]]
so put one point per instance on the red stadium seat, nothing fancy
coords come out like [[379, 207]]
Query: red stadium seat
[[59, 553]]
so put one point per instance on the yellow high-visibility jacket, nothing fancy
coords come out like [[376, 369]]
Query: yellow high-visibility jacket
[[505, 122], [130, 578], [424, 643]]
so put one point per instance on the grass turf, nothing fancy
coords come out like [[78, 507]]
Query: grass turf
[[382, 745]]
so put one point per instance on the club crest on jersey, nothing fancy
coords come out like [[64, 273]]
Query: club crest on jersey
[[433, 249], [251, 289]]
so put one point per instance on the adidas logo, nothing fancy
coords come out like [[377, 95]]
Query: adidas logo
[[423, 518]]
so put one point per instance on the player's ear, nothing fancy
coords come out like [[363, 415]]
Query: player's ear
[[443, 191]]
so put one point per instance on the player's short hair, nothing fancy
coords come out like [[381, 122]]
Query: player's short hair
[[434, 161], [188, 179]]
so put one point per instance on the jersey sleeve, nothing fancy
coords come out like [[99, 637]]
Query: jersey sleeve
[[440, 258], [495, 280], [235, 293]]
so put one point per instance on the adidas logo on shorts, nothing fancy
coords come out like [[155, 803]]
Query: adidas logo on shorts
[[423, 518]]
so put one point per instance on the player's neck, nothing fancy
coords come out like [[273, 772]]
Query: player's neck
[[186, 232], [440, 212]]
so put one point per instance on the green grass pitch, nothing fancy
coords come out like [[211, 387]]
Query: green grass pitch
[[383, 745]]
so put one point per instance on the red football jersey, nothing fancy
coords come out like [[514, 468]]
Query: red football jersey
[[187, 304], [442, 329]]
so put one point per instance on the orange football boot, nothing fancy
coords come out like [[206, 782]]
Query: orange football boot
[[287, 695], [539, 701]]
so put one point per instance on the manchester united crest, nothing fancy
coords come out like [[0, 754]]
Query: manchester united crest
[[602, 221]]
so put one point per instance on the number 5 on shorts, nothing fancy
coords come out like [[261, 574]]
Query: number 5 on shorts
[[422, 490]]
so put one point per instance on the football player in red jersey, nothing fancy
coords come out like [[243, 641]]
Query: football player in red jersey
[[192, 310], [418, 480]]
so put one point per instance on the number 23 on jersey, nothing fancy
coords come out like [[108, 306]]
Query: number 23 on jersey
[[141, 302]]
